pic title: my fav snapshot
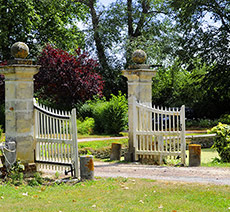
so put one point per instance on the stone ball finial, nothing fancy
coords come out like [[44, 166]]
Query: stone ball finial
[[19, 50], [139, 56]]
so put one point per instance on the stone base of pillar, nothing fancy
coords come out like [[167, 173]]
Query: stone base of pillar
[[115, 151], [150, 160], [130, 155], [30, 169]]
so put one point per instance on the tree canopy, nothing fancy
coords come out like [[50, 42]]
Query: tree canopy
[[65, 80], [190, 38], [37, 22]]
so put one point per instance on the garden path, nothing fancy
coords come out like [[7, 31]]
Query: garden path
[[183, 174]]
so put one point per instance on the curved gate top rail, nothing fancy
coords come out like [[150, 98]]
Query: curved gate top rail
[[158, 132], [56, 139]]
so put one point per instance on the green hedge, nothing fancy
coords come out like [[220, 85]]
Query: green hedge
[[111, 117]]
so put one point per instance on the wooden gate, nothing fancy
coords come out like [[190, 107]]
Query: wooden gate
[[56, 139], [159, 133]]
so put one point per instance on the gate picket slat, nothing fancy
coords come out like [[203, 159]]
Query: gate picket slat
[[158, 132], [54, 139]]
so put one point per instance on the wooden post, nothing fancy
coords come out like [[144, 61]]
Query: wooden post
[[183, 141], [75, 145], [115, 151], [86, 167], [194, 154]]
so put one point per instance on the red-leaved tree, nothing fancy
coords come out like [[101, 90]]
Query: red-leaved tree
[[64, 79]]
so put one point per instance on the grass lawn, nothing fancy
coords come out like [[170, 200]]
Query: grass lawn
[[116, 194], [84, 136], [207, 155], [102, 144]]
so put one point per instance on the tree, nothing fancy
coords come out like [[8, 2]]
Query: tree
[[205, 25], [205, 30], [65, 80], [39, 22], [121, 28]]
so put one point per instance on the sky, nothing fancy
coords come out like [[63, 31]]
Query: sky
[[106, 2]]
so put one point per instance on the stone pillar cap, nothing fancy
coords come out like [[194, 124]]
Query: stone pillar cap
[[139, 56], [19, 50]]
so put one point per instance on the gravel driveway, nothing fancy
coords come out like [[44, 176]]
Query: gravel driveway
[[182, 174]]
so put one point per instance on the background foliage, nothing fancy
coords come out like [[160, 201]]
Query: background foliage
[[65, 79], [39, 22], [111, 117], [189, 38]]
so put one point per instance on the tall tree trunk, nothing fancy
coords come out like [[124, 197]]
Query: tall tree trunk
[[135, 33], [96, 34]]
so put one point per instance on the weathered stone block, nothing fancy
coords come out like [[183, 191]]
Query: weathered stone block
[[24, 91], [10, 90], [21, 105], [25, 149]]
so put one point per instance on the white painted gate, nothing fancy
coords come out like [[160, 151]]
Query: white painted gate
[[56, 139], [159, 133]]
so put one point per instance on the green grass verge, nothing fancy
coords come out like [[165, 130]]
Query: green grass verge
[[207, 155], [102, 144], [84, 136], [116, 194]]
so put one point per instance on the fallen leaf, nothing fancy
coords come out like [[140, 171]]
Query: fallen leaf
[[35, 196], [43, 188], [2, 197], [25, 194], [145, 195], [126, 188], [74, 200], [141, 201], [94, 206], [161, 206], [173, 211]]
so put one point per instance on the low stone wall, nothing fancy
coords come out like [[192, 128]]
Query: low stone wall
[[206, 141]]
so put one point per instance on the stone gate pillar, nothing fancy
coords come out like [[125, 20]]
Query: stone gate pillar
[[139, 86], [19, 91]]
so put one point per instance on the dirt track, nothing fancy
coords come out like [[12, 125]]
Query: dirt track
[[183, 174]]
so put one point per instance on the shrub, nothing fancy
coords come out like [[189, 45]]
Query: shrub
[[110, 116], [222, 141], [225, 119], [66, 79], [85, 127], [98, 109], [116, 114], [16, 175]]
